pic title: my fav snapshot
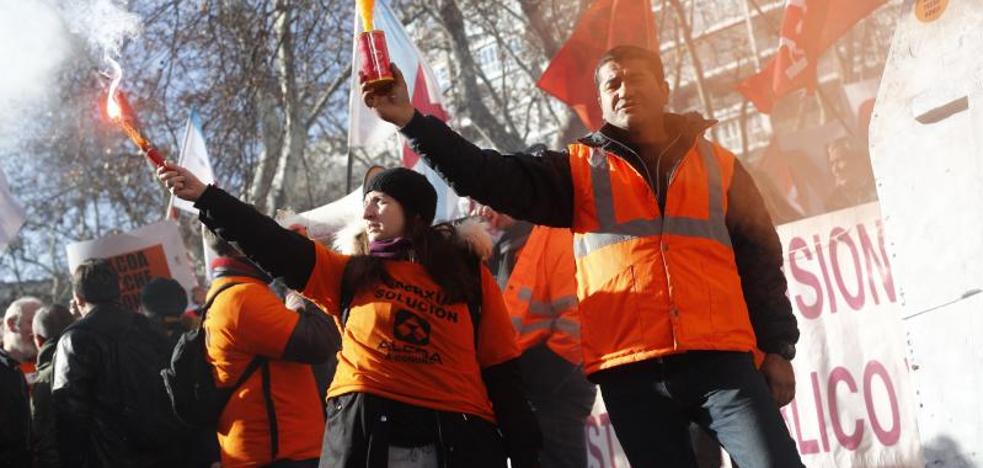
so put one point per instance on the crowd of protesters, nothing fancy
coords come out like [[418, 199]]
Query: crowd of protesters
[[641, 260]]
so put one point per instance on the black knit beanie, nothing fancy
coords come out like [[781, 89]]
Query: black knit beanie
[[411, 189], [164, 297]]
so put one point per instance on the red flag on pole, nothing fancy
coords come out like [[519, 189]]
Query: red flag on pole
[[606, 24], [809, 27]]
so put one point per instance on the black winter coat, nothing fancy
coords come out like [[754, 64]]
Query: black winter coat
[[44, 444], [15, 414], [91, 427]]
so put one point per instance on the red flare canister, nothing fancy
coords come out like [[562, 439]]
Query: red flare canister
[[374, 58]]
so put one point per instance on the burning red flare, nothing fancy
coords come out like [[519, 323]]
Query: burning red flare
[[120, 112]]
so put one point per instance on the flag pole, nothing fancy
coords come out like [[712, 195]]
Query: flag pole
[[348, 172], [171, 211]]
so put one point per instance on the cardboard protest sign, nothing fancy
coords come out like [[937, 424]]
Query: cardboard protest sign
[[152, 251]]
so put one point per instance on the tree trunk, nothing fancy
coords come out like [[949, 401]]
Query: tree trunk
[[571, 127], [533, 10], [271, 129], [482, 118], [695, 59], [294, 131]]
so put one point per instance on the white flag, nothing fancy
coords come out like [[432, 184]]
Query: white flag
[[194, 157], [366, 129], [12, 214]]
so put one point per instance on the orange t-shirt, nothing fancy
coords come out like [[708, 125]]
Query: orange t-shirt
[[245, 321], [403, 342]]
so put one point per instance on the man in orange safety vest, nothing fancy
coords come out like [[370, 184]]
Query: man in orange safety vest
[[678, 263]]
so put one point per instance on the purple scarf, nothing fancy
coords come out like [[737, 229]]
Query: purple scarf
[[397, 248]]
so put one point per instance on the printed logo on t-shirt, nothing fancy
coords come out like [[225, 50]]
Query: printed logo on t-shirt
[[411, 328], [411, 335], [416, 310]]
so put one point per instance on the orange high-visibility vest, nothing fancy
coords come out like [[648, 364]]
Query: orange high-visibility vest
[[541, 294], [652, 284]]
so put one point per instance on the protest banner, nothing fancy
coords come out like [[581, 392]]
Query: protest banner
[[603, 449], [854, 403], [152, 251]]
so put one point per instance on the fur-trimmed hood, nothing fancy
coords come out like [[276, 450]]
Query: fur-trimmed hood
[[471, 235]]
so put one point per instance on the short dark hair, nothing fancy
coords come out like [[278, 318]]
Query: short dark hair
[[96, 281], [164, 297], [627, 52], [219, 245], [51, 321]]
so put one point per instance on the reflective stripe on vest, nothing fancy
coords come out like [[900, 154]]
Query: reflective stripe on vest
[[570, 327], [543, 308], [547, 310], [611, 232]]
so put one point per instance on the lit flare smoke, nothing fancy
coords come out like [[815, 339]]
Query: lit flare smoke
[[119, 111], [113, 108]]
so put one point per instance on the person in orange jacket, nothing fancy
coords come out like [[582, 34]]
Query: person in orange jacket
[[275, 416], [534, 265], [678, 263]]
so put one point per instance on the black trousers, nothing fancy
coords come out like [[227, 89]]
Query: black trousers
[[562, 399], [360, 428]]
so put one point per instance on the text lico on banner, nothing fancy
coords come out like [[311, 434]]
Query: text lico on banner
[[854, 402]]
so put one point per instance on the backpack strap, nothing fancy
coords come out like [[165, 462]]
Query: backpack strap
[[253, 365], [211, 300], [258, 362], [270, 411]]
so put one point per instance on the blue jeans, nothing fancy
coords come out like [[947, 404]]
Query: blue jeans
[[651, 403]]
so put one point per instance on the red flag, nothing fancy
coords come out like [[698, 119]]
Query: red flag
[[606, 24], [427, 105], [808, 29]]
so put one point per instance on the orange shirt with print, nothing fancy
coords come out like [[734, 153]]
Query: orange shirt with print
[[402, 341], [245, 321]]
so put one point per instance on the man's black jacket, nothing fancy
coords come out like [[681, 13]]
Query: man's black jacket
[[45, 446], [539, 189], [15, 414], [90, 428]]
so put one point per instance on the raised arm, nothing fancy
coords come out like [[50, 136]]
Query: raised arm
[[534, 188], [279, 251]]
